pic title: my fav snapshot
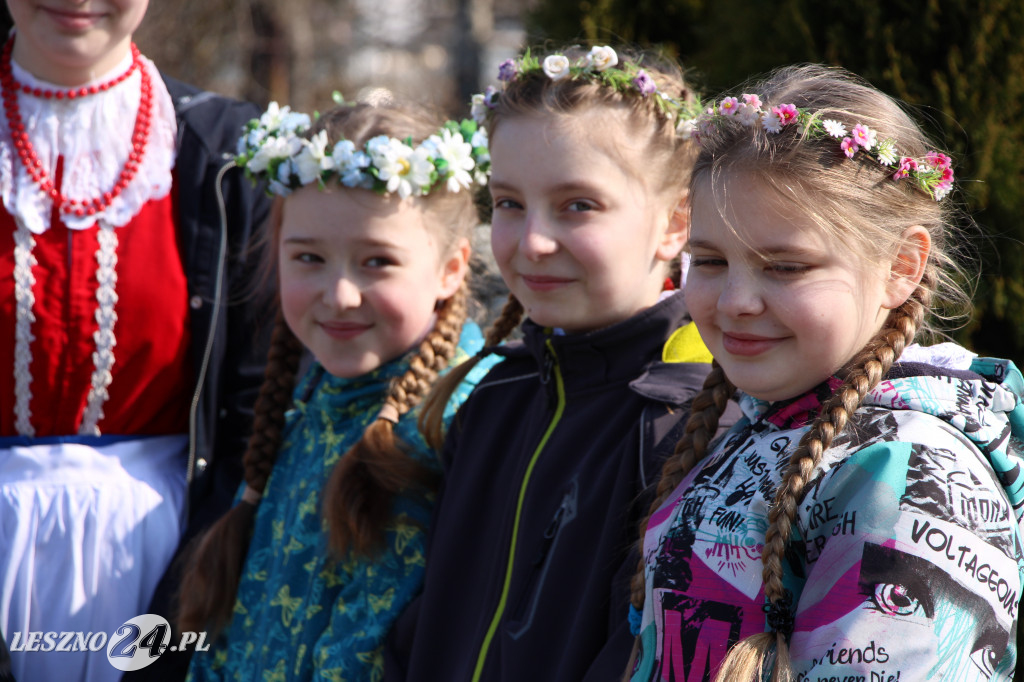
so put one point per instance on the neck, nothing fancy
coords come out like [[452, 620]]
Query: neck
[[65, 70]]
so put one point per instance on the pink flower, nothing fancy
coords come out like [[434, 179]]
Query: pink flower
[[728, 106], [947, 174], [787, 114], [752, 101], [938, 160], [849, 147], [907, 166], [863, 136]]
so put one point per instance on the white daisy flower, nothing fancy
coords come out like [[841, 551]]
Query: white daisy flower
[[686, 128], [771, 122], [273, 148], [886, 153], [457, 153], [834, 128], [312, 159], [405, 170]]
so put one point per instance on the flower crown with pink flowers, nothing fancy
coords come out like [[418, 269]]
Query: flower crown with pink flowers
[[933, 173], [600, 64]]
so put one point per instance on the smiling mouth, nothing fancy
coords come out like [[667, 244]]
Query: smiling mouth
[[344, 330], [544, 282], [748, 345]]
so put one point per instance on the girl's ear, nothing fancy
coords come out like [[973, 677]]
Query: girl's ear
[[454, 269], [908, 266], [677, 232]]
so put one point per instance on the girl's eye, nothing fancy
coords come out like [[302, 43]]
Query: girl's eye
[[378, 262], [787, 268], [306, 257], [506, 204], [706, 261], [581, 205]]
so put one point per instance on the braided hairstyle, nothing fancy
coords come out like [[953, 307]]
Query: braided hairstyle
[[360, 491], [859, 207], [668, 159]]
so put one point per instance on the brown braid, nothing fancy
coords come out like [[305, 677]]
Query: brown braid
[[359, 495], [214, 564], [745, 660], [431, 422], [707, 408]]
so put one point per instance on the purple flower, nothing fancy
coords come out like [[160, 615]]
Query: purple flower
[[507, 70], [644, 83]]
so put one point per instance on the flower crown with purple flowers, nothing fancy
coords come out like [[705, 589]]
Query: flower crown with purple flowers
[[601, 64], [933, 173]]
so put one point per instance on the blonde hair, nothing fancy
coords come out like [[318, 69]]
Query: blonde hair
[[668, 160], [859, 206], [358, 498]]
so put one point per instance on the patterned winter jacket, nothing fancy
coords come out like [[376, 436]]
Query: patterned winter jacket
[[906, 562], [301, 615]]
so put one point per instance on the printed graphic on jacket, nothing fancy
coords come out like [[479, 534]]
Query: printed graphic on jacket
[[906, 562]]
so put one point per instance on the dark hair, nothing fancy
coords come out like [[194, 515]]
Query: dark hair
[[864, 211], [359, 494]]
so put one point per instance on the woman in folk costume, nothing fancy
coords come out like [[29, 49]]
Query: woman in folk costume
[[123, 243]]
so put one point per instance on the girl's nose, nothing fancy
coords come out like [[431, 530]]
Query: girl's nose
[[537, 240], [343, 294], [741, 294]]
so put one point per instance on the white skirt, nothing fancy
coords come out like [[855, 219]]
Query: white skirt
[[86, 532]]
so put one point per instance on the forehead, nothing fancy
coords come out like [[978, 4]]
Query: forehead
[[593, 140], [337, 215], [741, 209]]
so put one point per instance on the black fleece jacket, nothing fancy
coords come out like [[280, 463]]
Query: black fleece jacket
[[220, 215], [549, 468]]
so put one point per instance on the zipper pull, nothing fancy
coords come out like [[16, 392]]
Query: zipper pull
[[549, 365]]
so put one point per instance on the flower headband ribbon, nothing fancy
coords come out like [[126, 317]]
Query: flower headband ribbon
[[600, 64], [933, 174], [275, 146]]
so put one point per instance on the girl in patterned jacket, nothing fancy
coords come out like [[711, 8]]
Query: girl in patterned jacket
[[371, 244], [862, 521]]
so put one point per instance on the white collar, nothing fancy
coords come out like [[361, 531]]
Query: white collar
[[94, 135]]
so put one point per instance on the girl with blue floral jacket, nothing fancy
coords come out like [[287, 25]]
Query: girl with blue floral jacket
[[371, 240]]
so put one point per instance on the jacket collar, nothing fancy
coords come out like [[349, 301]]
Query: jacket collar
[[625, 352]]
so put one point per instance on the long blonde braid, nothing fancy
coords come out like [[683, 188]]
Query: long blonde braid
[[213, 566], [364, 482], [431, 422], [746, 660]]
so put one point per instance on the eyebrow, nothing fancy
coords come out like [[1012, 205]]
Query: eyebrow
[[569, 186], [766, 251]]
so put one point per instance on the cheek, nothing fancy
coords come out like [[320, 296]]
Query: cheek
[[504, 241]]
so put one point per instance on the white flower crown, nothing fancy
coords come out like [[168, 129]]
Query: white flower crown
[[274, 146], [933, 174]]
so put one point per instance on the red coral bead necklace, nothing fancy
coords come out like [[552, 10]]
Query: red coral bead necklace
[[27, 154]]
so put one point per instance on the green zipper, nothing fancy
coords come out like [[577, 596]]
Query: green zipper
[[500, 610]]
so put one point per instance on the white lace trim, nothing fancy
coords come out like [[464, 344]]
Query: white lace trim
[[106, 318], [81, 130], [24, 242]]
